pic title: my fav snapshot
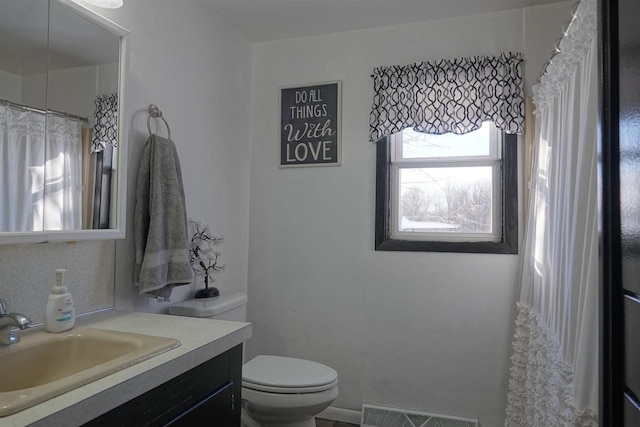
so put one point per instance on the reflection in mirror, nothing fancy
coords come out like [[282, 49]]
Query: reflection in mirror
[[23, 55], [82, 80], [63, 116]]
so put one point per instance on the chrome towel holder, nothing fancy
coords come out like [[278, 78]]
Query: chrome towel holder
[[155, 112]]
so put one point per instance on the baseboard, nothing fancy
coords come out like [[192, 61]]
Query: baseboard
[[342, 415]]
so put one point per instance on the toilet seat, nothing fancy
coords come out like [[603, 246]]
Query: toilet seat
[[289, 390], [287, 375]]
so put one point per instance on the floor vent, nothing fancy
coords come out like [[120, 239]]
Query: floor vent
[[380, 416]]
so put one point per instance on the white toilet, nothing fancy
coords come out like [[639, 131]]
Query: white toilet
[[277, 391]]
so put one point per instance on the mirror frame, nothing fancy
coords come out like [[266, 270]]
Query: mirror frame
[[7, 238]]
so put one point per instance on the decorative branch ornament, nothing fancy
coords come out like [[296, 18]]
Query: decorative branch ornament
[[204, 258]]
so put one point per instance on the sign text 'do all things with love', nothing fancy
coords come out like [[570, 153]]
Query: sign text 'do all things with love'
[[310, 125]]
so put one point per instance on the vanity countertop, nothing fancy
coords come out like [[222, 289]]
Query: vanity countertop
[[200, 340]]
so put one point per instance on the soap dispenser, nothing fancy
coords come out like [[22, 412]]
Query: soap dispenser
[[60, 313]]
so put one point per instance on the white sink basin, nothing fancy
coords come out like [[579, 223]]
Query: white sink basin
[[44, 365]]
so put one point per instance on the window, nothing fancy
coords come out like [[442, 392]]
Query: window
[[447, 193]]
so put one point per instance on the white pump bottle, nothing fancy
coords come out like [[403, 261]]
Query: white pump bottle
[[60, 313]]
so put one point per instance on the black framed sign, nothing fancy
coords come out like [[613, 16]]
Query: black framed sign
[[310, 125]]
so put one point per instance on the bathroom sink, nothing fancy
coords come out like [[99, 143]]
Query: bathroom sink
[[44, 365]]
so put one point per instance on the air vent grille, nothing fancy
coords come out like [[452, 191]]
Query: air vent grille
[[380, 416]]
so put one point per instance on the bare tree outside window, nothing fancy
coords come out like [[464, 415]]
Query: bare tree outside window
[[460, 205]]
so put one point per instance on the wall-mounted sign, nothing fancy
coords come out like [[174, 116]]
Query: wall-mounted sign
[[310, 125]]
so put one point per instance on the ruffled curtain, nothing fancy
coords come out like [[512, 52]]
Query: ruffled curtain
[[448, 96], [554, 370]]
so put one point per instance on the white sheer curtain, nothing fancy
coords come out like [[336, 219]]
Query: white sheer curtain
[[554, 372], [22, 140], [63, 174], [40, 171]]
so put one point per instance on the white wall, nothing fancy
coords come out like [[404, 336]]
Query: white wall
[[107, 79], [10, 86], [197, 69], [73, 90], [428, 331], [542, 27], [34, 91]]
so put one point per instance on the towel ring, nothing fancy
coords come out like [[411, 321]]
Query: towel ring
[[155, 112]]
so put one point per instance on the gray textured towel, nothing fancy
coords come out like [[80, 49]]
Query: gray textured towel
[[160, 221]]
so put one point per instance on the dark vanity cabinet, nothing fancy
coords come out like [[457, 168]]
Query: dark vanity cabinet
[[207, 395]]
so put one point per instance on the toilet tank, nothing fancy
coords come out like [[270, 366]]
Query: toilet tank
[[223, 307]]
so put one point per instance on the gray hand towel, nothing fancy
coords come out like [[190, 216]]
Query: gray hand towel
[[160, 222]]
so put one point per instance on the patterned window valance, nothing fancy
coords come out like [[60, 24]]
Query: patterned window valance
[[448, 96], [105, 129]]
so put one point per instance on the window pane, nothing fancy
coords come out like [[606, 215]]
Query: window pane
[[417, 145], [446, 200]]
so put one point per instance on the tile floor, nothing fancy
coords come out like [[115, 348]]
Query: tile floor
[[328, 423]]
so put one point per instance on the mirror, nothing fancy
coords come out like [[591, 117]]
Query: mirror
[[61, 68]]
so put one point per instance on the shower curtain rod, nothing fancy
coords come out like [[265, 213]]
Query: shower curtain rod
[[38, 110], [556, 45]]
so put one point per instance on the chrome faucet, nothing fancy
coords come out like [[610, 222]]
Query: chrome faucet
[[9, 322]]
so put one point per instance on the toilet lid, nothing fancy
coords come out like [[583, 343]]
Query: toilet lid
[[287, 375]]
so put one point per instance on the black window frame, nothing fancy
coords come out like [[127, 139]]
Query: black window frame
[[508, 243]]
